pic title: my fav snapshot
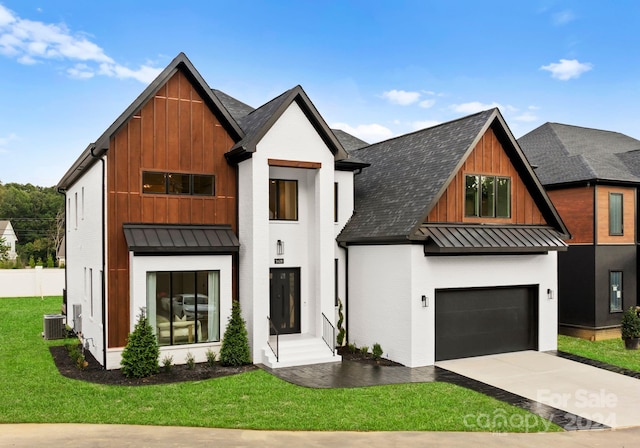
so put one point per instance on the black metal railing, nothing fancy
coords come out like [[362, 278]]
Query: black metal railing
[[273, 341], [329, 334]]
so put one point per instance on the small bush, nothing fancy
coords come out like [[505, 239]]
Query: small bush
[[235, 343], [341, 330], [32, 262], [167, 363], [377, 351], [39, 262], [191, 361], [140, 355], [364, 349], [77, 356], [352, 348], [50, 261], [211, 358]]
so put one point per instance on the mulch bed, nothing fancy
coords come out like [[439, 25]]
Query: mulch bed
[[357, 356], [94, 372]]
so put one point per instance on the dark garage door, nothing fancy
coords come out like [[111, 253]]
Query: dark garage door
[[479, 321]]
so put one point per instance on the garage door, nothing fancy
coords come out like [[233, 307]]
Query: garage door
[[479, 321]]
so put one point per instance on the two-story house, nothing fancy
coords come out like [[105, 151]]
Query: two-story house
[[192, 199], [8, 235], [592, 177]]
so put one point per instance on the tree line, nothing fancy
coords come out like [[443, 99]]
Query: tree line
[[37, 217]]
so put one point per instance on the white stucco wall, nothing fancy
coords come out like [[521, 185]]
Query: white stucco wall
[[309, 242], [386, 284], [84, 255], [140, 265]]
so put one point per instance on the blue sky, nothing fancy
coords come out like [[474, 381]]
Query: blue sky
[[373, 68]]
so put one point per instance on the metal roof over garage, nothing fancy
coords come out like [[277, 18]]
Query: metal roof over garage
[[180, 239], [451, 239]]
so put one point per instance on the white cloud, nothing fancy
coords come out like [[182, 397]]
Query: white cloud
[[417, 125], [563, 17], [567, 69], [427, 103], [526, 117], [473, 107], [31, 42], [401, 97], [370, 133]]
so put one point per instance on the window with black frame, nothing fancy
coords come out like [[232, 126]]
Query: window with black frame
[[283, 200], [487, 196], [184, 306], [616, 214], [178, 183]]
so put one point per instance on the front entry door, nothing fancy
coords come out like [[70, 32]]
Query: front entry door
[[285, 299]]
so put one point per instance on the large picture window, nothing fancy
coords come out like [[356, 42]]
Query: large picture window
[[178, 183], [487, 196], [615, 291], [283, 200], [615, 214], [184, 306]]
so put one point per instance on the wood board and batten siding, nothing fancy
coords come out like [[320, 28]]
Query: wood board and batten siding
[[628, 218], [173, 132], [487, 158]]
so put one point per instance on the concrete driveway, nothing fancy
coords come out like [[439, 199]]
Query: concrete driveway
[[589, 392]]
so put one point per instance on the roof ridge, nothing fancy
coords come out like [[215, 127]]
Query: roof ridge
[[589, 128], [431, 128]]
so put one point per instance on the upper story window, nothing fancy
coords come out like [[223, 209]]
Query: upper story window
[[615, 214], [335, 202], [178, 183], [283, 200], [487, 196]]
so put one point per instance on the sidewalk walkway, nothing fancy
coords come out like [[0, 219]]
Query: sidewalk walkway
[[124, 436]]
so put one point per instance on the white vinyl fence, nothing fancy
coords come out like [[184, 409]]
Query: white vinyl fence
[[37, 282]]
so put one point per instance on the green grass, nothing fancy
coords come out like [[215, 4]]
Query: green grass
[[32, 390], [611, 351]]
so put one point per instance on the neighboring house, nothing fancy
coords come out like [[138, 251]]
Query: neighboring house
[[452, 246], [61, 252], [192, 199], [10, 239], [592, 177]]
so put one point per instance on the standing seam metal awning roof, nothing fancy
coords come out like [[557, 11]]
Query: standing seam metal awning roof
[[489, 238], [184, 239]]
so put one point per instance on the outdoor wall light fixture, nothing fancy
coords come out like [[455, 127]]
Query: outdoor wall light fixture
[[550, 294], [425, 301], [280, 247]]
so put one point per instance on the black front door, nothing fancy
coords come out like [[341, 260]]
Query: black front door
[[285, 299]]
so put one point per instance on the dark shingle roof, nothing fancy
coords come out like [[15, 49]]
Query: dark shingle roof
[[406, 175], [236, 108], [349, 142], [567, 154]]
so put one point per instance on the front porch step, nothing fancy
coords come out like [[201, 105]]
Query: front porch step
[[299, 350]]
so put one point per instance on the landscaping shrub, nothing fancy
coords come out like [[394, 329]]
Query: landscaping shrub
[[140, 355], [377, 351], [235, 343], [211, 358], [341, 330], [352, 348], [364, 349], [191, 361], [167, 363], [50, 261]]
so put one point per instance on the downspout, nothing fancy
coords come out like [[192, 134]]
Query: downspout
[[104, 298], [63, 191]]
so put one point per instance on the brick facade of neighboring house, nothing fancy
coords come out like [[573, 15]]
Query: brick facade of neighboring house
[[593, 177]]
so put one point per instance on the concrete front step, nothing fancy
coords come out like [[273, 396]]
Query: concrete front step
[[299, 350]]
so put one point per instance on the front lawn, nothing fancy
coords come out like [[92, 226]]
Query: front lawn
[[32, 390], [611, 351]]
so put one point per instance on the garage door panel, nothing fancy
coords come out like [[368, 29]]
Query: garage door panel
[[474, 322]]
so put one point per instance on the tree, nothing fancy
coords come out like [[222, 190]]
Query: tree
[[4, 250], [235, 343], [140, 355]]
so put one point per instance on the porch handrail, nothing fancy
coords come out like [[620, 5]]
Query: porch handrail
[[275, 347], [328, 330]]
